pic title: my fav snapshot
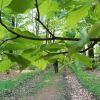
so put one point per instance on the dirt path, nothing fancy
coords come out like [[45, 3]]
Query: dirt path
[[50, 93], [37, 89], [77, 91], [60, 88]]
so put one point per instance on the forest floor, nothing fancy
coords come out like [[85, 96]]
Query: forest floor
[[49, 86]]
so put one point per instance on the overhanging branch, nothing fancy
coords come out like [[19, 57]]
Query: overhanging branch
[[65, 52], [45, 27], [38, 19], [8, 40], [38, 13], [43, 39], [90, 46]]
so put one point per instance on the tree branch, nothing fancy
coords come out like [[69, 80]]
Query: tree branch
[[65, 52], [45, 27], [43, 39], [38, 19], [38, 13], [8, 40], [90, 46]]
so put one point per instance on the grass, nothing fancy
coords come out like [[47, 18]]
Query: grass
[[7, 85], [89, 79], [12, 84], [45, 80]]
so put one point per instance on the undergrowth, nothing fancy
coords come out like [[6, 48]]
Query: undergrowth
[[88, 79]]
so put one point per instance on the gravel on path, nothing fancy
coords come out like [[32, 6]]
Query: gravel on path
[[77, 91]]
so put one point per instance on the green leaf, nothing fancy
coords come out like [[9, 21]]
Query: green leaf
[[4, 3], [41, 64], [15, 46], [95, 31], [25, 5], [97, 10], [70, 34], [76, 16], [35, 55], [52, 47], [20, 60], [77, 46], [3, 32], [5, 65], [47, 7], [51, 57], [20, 44], [24, 32], [83, 59]]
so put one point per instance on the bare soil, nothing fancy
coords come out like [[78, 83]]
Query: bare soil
[[71, 90], [77, 91]]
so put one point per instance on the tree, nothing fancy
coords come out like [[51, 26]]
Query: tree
[[66, 24]]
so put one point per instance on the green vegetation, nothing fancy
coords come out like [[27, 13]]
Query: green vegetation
[[42, 80], [12, 84], [39, 32], [7, 85], [89, 79]]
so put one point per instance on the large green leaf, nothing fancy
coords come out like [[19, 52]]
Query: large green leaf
[[51, 57], [48, 6], [35, 56], [3, 33], [5, 65], [85, 1], [95, 31], [24, 32], [97, 10], [83, 59], [24, 5], [52, 47], [4, 3], [41, 64], [17, 45], [23, 62], [78, 45], [76, 16], [20, 44], [70, 34]]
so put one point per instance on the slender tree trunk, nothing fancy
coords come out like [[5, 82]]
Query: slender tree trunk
[[91, 52], [47, 35], [37, 26], [91, 55], [13, 25]]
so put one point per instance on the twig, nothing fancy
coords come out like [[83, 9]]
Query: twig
[[91, 45], [38, 13], [65, 52], [45, 28], [38, 19], [8, 40], [43, 39]]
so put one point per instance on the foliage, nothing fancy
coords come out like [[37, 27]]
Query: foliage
[[54, 29], [11, 84], [90, 80]]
